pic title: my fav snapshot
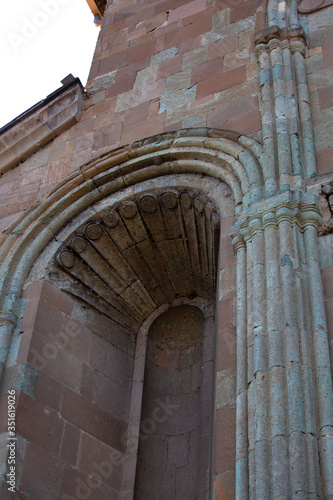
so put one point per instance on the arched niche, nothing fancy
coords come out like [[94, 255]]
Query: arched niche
[[122, 263], [174, 454], [175, 430]]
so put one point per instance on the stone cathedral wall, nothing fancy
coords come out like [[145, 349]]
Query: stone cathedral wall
[[159, 67], [156, 68]]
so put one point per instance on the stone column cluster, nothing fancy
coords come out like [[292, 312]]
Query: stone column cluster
[[284, 398], [287, 129], [284, 385]]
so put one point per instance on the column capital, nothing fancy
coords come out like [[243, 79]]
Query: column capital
[[294, 207], [273, 37]]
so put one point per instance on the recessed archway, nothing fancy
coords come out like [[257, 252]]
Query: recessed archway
[[177, 411], [71, 221], [169, 257]]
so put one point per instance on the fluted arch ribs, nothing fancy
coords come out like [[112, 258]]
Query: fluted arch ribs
[[131, 259], [229, 158]]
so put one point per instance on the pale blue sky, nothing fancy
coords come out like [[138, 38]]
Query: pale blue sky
[[41, 42]]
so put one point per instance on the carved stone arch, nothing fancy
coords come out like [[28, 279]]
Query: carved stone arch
[[208, 152], [129, 258], [283, 391], [177, 171], [174, 235]]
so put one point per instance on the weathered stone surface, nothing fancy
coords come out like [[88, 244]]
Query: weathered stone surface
[[159, 67], [50, 470], [40, 125], [171, 261], [171, 418]]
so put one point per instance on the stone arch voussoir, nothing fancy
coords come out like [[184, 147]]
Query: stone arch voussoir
[[226, 156]]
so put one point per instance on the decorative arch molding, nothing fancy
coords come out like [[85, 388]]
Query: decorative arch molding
[[228, 157], [284, 396], [144, 251], [131, 257]]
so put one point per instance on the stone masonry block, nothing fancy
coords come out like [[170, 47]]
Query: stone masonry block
[[99, 458], [122, 84], [41, 475], [225, 439], [226, 387], [133, 115], [152, 90], [206, 70], [218, 83], [142, 129], [177, 99], [194, 58], [222, 47], [245, 124], [39, 424], [54, 361], [164, 55], [169, 67], [107, 136], [47, 292], [110, 360], [178, 36], [324, 160], [70, 444], [154, 449], [178, 450], [326, 97], [83, 414], [146, 76], [234, 108], [224, 486], [77, 485], [142, 51], [178, 81], [243, 11], [128, 100], [328, 54], [186, 10], [49, 391]]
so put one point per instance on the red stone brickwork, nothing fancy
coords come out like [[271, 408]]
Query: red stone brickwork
[[77, 418], [158, 66], [319, 65], [184, 63]]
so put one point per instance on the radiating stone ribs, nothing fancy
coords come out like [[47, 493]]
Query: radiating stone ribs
[[142, 254]]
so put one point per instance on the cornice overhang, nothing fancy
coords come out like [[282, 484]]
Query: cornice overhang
[[32, 130]]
